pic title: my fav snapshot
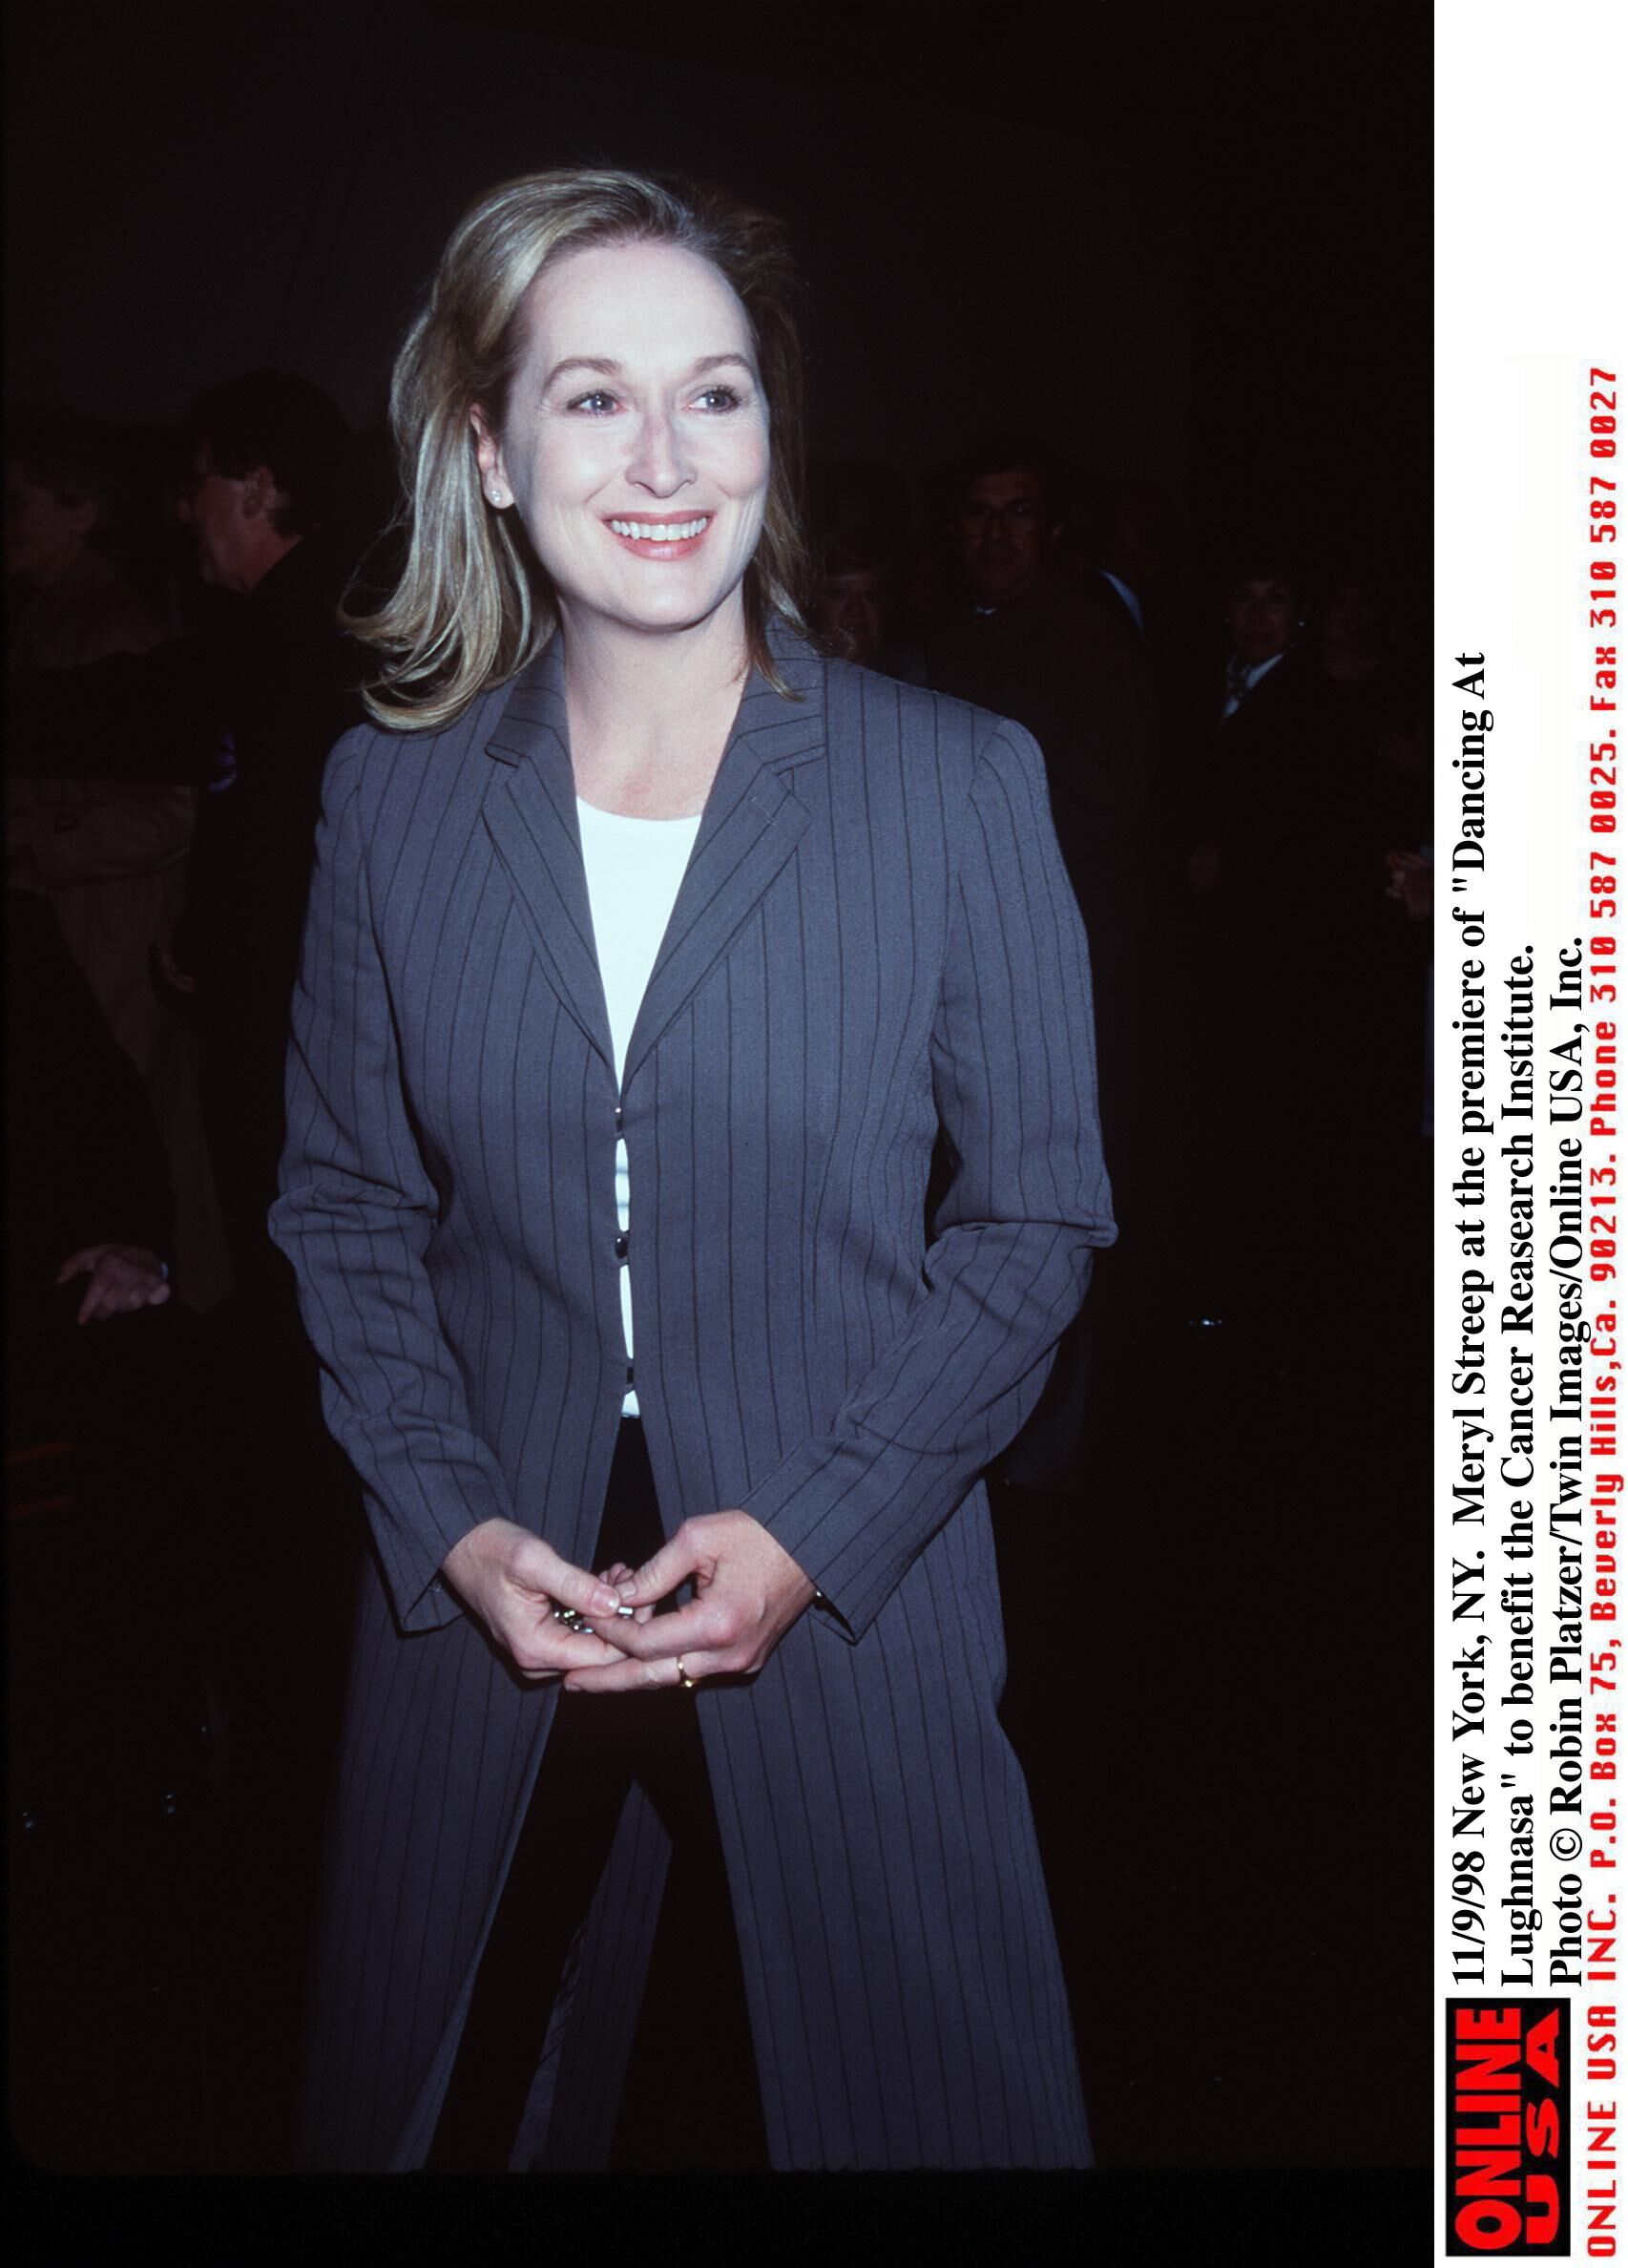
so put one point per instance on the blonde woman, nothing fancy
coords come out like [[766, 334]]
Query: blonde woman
[[650, 955]]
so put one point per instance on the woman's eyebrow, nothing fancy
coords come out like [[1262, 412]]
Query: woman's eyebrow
[[598, 363], [606, 367]]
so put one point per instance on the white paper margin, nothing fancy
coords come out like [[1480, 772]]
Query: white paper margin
[[1532, 290]]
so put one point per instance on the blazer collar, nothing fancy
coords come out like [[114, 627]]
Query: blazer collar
[[749, 828]]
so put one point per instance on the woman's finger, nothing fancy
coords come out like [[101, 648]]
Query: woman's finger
[[552, 1652], [622, 1676], [627, 1676], [537, 1565], [688, 1629], [672, 1564], [614, 1578]]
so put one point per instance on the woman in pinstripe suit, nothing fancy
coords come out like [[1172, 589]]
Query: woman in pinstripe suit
[[648, 957]]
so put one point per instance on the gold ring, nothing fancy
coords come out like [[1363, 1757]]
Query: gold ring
[[688, 1682]]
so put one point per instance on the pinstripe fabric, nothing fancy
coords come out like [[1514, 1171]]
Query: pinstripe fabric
[[875, 940]]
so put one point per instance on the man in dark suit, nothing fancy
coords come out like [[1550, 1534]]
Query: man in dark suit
[[1261, 904], [265, 463], [1070, 666]]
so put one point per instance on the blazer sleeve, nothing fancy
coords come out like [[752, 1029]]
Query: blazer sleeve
[[1013, 1067], [355, 1218]]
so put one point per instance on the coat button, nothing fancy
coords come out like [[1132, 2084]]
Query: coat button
[[621, 1248]]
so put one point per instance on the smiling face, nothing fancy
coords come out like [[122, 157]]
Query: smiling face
[[636, 445]]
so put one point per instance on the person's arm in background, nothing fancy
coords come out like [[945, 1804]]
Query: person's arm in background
[[100, 830], [87, 1170]]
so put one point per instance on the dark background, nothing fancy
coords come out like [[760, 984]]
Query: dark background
[[1189, 244]]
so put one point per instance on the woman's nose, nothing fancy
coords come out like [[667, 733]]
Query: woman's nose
[[660, 460]]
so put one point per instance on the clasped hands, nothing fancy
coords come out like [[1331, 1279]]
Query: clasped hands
[[748, 1593]]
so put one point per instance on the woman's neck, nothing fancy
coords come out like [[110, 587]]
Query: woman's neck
[[650, 712]]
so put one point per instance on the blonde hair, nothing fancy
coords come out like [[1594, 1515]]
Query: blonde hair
[[473, 608]]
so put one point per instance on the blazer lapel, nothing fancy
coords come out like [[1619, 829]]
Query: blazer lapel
[[747, 833], [531, 815]]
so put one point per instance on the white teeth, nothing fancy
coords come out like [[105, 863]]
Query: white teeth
[[661, 532]]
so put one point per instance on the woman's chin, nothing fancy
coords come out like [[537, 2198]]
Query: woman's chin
[[672, 610]]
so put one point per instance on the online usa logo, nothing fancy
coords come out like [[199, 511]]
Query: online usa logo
[[1508, 2128]]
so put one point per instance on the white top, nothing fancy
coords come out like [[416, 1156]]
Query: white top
[[635, 867]]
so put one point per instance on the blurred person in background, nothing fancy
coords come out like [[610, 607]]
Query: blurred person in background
[[239, 714], [110, 853], [72, 604], [1125, 556], [1068, 666], [88, 1214], [244, 710], [1267, 907], [266, 460], [108, 1728], [855, 605], [1071, 666]]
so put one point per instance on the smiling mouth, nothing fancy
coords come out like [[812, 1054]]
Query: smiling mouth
[[673, 531]]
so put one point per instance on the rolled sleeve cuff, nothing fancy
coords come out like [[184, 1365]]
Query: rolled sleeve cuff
[[853, 1513], [412, 1553]]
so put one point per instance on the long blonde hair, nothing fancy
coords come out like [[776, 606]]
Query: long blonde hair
[[473, 606]]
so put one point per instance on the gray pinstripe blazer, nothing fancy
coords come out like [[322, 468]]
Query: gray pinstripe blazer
[[875, 940]]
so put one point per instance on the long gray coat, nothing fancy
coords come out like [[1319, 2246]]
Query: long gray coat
[[875, 940]]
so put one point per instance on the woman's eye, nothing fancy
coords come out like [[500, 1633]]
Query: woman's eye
[[595, 404], [720, 397]]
